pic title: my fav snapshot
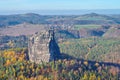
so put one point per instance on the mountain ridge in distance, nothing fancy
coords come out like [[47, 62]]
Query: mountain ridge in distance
[[33, 18]]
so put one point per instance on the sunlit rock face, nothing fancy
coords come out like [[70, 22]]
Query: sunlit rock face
[[42, 47]]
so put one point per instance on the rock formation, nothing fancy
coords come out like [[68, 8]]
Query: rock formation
[[42, 47]]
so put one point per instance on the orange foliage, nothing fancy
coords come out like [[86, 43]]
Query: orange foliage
[[12, 57]]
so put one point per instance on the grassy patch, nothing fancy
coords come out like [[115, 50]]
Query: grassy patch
[[90, 26], [91, 18]]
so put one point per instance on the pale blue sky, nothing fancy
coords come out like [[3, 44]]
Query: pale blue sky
[[58, 4]]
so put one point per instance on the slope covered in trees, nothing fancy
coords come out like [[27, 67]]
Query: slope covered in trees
[[14, 66], [95, 48]]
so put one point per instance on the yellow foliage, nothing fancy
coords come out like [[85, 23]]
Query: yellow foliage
[[21, 77], [45, 79], [13, 60], [40, 77], [20, 59], [7, 62], [22, 67], [86, 63], [76, 72], [11, 57], [59, 61], [13, 69], [85, 77], [72, 62], [98, 78], [9, 54], [92, 77], [96, 64], [6, 71]]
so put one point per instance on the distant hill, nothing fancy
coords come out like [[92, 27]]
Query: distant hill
[[21, 29], [92, 18], [8, 20]]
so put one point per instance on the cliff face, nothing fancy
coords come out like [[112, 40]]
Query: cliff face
[[43, 47]]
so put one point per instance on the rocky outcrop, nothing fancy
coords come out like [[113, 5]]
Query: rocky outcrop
[[42, 47]]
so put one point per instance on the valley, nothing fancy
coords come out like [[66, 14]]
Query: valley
[[89, 46]]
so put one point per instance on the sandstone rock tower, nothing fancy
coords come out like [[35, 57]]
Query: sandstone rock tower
[[42, 47]]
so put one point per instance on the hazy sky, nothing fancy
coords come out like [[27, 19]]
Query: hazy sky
[[58, 4]]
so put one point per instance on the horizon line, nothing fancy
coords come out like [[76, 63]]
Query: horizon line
[[62, 11]]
